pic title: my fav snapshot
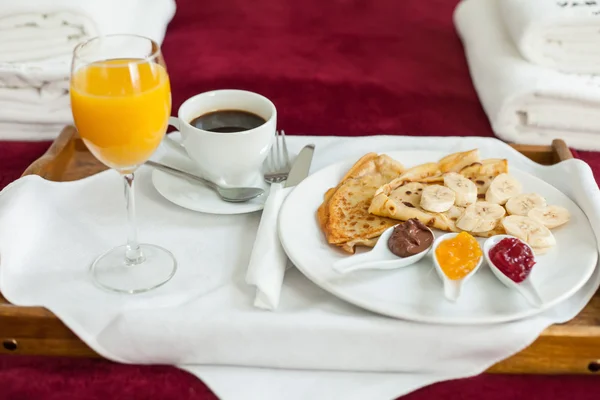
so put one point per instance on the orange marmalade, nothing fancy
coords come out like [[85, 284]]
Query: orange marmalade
[[458, 256]]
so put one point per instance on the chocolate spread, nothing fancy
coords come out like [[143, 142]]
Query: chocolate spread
[[410, 238]]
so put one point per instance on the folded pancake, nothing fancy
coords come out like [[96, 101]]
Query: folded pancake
[[360, 168], [482, 173], [433, 172], [344, 214], [457, 161], [400, 198], [404, 202]]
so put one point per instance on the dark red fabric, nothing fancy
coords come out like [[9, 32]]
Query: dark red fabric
[[27, 378], [335, 67]]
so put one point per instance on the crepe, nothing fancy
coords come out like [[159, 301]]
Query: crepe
[[482, 173], [344, 214], [403, 203], [400, 198]]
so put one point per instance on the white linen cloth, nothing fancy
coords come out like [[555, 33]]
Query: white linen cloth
[[37, 38], [314, 346], [560, 34], [268, 260], [525, 103]]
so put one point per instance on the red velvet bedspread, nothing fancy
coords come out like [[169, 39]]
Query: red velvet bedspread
[[332, 67]]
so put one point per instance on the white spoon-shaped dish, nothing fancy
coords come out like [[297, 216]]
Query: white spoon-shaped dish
[[452, 288], [525, 288], [380, 257]]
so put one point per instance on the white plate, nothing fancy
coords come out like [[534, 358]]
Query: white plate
[[416, 292]]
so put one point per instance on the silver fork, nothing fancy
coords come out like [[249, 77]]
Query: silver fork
[[278, 163], [277, 169]]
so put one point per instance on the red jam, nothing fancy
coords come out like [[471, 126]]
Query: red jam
[[514, 258]]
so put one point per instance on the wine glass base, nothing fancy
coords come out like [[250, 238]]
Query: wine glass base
[[112, 272]]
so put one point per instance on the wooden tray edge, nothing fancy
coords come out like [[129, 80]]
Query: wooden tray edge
[[56, 158]]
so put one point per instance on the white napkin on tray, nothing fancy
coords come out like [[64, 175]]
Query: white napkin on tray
[[314, 346], [525, 103], [268, 260], [559, 34]]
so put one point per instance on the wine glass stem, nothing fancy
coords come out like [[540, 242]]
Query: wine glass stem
[[133, 253]]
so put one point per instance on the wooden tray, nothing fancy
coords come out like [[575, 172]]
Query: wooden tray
[[573, 347]]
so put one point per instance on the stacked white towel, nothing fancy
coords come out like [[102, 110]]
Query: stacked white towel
[[561, 34], [37, 38], [526, 102]]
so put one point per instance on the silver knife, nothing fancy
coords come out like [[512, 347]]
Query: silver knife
[[301, 166]]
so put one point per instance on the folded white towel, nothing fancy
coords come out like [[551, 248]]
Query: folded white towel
[[16, 131], [39, 31], [30, 75], [525, 103], [47, 104], [37, 39], [561, 34], [34, 102], [40, 37]]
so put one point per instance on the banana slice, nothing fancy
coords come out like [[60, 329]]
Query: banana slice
[[532, 232], [464, 189], [480, 217], [521, 204], [484, 172], [437, 198], [551, 216], [502, 188], [455, 212]]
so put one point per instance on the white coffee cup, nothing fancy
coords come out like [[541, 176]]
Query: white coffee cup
[[230, 158]]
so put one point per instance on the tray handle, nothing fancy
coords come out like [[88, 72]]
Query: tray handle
[[561, 151]]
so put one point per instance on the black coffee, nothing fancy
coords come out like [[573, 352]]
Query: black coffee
[[225, 121]]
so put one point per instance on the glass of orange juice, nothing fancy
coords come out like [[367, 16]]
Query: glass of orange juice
[[121, 102]]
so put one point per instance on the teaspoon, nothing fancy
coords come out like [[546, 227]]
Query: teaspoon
[[452, 287], [233, 195], [525, 287], [380, 257]]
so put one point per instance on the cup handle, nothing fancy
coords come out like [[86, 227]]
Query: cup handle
[[174, 122]]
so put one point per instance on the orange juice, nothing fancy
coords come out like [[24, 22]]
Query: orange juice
[[121, 109]]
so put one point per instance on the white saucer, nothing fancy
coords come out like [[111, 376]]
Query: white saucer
[[195, 196], [200, 198]]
